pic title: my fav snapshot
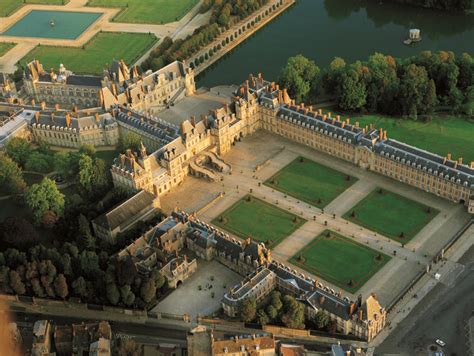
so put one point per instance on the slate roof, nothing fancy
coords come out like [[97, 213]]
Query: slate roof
[[126, 210], [84, 80]]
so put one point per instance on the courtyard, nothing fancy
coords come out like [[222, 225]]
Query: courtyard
[[255, 218], [201, 294], [340, 260], [391, 214], [310, 182]]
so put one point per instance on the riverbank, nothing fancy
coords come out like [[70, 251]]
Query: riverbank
[[239, 33]]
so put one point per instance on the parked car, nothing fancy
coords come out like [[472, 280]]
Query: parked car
[[440, 342]]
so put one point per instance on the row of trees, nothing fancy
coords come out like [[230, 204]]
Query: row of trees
[[224, 14], [283, 310], [460, 5], [412, 86]]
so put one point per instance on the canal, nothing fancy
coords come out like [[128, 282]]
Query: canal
[[351, 29]]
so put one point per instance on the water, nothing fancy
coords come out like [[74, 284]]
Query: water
[[351, 29], [67, 25]]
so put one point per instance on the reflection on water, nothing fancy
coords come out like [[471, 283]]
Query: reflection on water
[[352, 29]]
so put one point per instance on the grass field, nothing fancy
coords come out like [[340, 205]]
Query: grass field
[[340, 260], [5, 47], [391, 215], [259, 220], [310, 182], [444, 134], [7, 7], [148, 11], [97, 54]]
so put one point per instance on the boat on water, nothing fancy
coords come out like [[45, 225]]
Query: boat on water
[[413, 36]]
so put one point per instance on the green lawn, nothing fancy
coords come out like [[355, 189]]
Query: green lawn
[[7, 7], [148, 11], [391, 215], [5, 47], [310, 182], [445, 134], [259, 220], [108, 156], [97, 54], [340, 260]]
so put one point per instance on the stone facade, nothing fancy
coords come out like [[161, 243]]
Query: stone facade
[[119, 85], [259, 104]]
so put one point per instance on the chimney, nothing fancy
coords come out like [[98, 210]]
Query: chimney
[[277, 87], [449, 157], [455, 164], [37, 117], [56, 107], [302, 105], [122, 159], [385, 135], [444, 160], [361, 314], [97, 117], [280, 97], [357, 123], [380, 134], [324, 117], [472, 165], [329, 114], [311, 108], [193, 121], [68, 119], [343, 124], [52, 117], [460, 160], [320, 111], [351, 308], [338, 118], [43, 105], [33, 102], [74, 108]]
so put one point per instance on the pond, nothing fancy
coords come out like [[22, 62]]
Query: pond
[[351, 29]]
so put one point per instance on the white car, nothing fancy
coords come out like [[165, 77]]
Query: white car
[[440, 342]]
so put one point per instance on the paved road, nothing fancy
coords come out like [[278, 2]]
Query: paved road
[[441, 314]]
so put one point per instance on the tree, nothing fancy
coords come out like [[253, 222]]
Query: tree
[[126, 271], [101, 175], [86, 172], [148, 290], [299, 76], [89, 262], [16, 283], [128, 347], [262, 317], [321, 319], [18, 149], [272, 312], [85, 233], [113, 293], [275, 300], [248, 309], [88, 150], [352, 91], [39, 162], [131, 141], [413, 88], [60, 286], [11, 178], [79, 287], [293, 313], [128, 297], [45, 197], [18, 232]]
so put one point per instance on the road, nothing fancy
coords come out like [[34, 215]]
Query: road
[[441, 314]]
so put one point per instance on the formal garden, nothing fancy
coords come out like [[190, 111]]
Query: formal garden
[[310, 182], [340, 260], [147, 11], [259, 220], [391, 215], [95, 55]]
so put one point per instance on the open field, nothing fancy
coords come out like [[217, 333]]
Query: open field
[[97, 54], [259, 220], [391, 214], [310, 182], [5, 47], [340, 260], [444, 134], [148, 11]]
